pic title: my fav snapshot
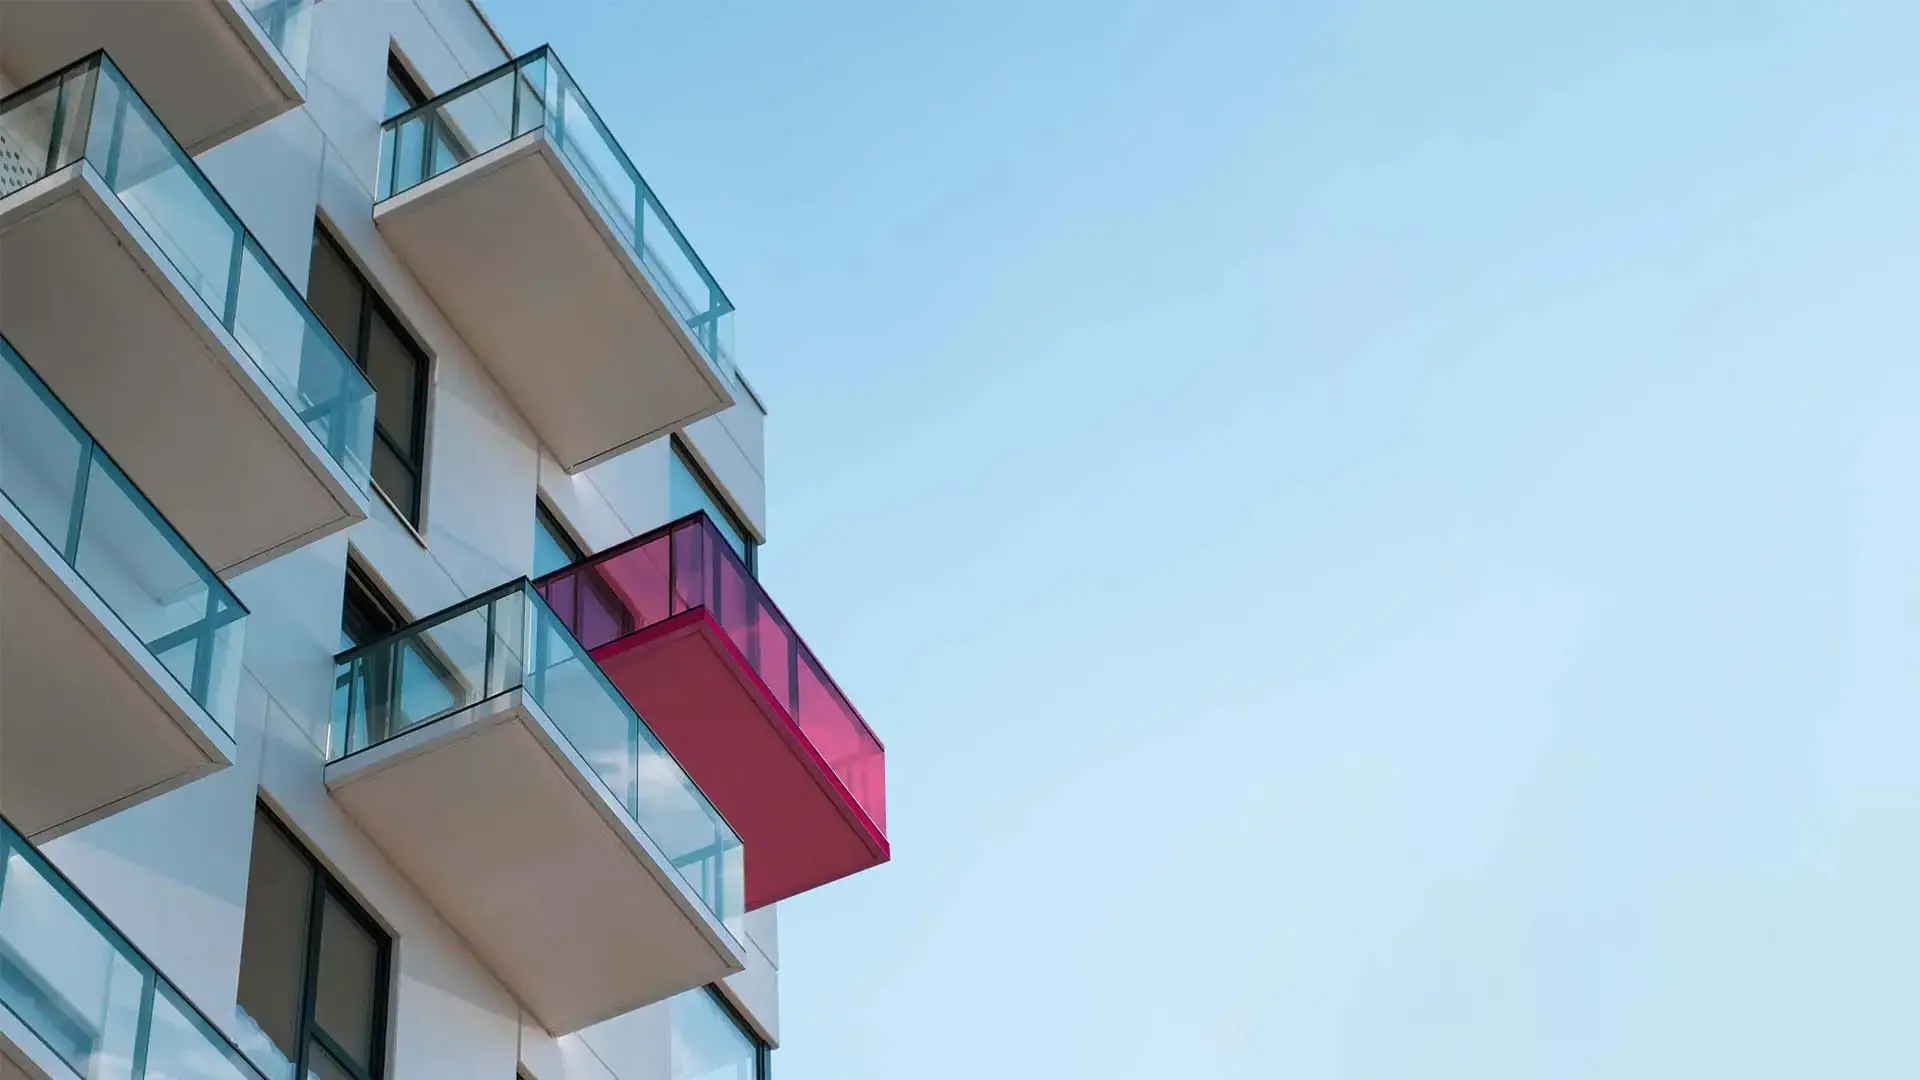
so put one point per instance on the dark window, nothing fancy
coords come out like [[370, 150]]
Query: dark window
[[689, 489], [553, 549], [710, 1041], [397, 367], [367, 614], [403, 92], [409, 683], [313, 967]]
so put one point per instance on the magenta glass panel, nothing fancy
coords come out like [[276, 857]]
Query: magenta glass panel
[[687, 565]]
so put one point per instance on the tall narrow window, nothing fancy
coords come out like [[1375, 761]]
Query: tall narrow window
[[403, 92], [709, 1041], [367, 614], [396, 366], [313, 968], [553, 549], [688, 489], [408, 684]]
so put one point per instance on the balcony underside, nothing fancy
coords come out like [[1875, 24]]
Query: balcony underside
[[90, 722], [500, 824], [529, 271], [203, 65], [110, 325], [711, 710]]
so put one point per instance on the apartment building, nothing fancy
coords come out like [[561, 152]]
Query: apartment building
[[386, 685]]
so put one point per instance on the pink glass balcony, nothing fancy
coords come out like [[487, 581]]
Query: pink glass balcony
[[699, 650]]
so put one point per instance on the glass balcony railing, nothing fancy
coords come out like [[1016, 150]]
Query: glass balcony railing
[[71, 492], [535, 93], [688, 564], [87, 993], [90, 113], [508, 640], [286, 23]]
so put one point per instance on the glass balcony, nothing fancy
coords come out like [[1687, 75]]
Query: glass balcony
[[572, 236], [120, 646], [485, 750], [80, 1000], [212, 69], [213, 376], [694, 642]]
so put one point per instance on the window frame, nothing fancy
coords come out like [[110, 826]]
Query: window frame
[[762, 1051], [386, 677], [410, 87], [683, 454], [545, 520], [412, 458], [323, 887], [360, 582]]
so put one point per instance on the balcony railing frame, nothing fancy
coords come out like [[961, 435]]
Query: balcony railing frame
[[705, 326], [223, 607], [154, 983], [704, 861], [83, 77]]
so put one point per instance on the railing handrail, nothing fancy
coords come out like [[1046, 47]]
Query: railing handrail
[[43, 864], [700, 519], [434, 103], [170, 533], [428, 622]]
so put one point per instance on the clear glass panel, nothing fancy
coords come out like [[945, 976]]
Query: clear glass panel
[[183, 1045], [164, 191], [289, 25], [166, 596], [430, 671], [349, 985], [87, 510], [482, 117], [567, 684], [595, 157], [42, 451], [71, 978], [663, 800], [532, 76], [708, 1044], [61, 972], [300, 358]]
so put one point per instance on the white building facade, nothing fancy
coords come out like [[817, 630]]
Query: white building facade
[[386, 690]]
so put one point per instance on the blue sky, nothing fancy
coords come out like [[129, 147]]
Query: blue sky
[[1383, 538]]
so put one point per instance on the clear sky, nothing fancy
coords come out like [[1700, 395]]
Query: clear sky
[[1383, 537]]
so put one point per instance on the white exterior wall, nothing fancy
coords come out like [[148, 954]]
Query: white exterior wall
[[172, 872]]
